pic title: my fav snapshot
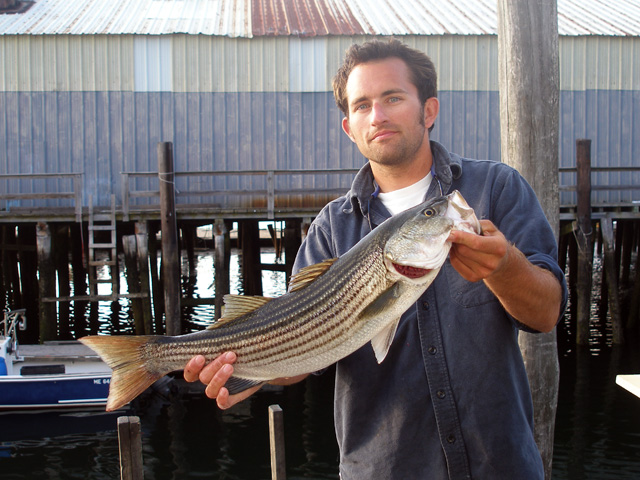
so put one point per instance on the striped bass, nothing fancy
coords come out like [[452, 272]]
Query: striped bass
[[331, 309]]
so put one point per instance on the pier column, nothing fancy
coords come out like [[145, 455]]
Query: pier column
[[222, 244], [142, 247], [251, 271], [169, 227], [583, 234], [133, 283], [47, 287]]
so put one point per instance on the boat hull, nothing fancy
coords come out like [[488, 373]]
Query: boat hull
[[54, 391]]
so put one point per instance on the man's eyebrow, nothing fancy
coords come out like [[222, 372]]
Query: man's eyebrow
[[386, 93]]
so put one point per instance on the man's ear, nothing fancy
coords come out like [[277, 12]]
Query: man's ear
[[347, 130], [431, 110]]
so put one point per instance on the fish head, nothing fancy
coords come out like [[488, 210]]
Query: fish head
[[418, 247]]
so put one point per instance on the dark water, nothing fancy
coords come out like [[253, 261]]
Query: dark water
[[186, 437]]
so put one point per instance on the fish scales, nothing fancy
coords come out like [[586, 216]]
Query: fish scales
[[333, 309]]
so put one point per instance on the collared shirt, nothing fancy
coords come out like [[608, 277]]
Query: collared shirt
[[451, 399]]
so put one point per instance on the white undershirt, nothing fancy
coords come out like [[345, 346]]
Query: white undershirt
[[407, 197]]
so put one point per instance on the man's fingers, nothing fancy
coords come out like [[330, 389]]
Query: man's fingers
[[193, 368]]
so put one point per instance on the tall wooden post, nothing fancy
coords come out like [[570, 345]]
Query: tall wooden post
[[142, 247], [222, 242], [584, 239], [529, 118], [169, 228], [46, 283]]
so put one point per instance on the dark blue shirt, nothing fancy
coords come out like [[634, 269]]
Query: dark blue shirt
[[451, 399]]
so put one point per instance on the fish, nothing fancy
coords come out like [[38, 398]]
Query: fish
[[330, 310]]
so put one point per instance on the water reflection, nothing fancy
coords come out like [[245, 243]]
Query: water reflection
[[185, 436]]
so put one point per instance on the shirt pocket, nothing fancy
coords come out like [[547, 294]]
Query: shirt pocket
[[465, 293]]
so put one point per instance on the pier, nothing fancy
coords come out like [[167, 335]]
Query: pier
[[67, 243]]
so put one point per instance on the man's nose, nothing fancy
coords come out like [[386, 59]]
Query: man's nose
[[378, 114]]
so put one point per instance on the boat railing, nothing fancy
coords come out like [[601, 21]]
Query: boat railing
[[12, 320]]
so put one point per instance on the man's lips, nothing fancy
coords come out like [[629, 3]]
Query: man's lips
[[383, 134]]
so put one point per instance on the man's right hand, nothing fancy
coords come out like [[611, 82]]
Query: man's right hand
[[215, 375]]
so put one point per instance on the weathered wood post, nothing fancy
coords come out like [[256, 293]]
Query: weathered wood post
[[529, 118], [46, 283], [142, 247], [222, 245], [169, 228], [276, 440], [612, 279], [583, 233], [131, 264], [251, 271], [130, 446]]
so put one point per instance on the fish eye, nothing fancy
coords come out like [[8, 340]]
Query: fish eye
[[429, 212]]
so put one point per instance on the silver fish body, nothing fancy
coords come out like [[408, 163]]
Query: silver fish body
[[331, 310]]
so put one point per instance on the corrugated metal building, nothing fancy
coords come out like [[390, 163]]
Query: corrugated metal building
[[91, 86]]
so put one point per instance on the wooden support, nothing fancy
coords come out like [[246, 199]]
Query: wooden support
[[292, 241], [78, 267], [222, 243], [634, 313], [626, 251], [170, 251], [189, 245], [28, 281], [583, 234], [61, 259], [251, 273], [130, 448], [276, 440], [46, 282], [142, 247], [528, 70], [612, 279], [156, 286], [133, 281]]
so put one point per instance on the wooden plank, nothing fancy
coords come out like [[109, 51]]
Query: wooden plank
[[130, 446], [276, 439]]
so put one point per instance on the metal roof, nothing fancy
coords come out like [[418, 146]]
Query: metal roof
[[248, 18]]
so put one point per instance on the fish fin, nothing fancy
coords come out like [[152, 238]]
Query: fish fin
[[383, 340], [308, 274], [237, 305], [124, 354], [237, 385]]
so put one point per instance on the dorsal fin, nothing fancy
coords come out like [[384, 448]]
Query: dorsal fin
[[237, 305], [308, 274]]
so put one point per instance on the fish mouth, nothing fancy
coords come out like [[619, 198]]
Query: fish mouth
[[409, 271]]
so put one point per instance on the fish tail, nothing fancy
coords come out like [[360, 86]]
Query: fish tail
[[125, 356]]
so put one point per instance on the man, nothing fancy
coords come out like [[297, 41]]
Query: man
[[451, 399]]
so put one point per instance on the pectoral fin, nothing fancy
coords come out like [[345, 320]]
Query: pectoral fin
[[382, 341]]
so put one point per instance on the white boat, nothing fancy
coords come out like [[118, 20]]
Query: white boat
[[54, 374]]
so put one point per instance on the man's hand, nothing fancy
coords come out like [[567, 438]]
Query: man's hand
[[215, 375], [529, 293], [476, 257]]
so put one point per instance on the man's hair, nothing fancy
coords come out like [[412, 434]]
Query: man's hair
[[423, 72]]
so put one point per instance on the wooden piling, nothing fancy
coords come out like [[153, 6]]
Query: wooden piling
[[251, 271], [169, 227], [276, 440], [142, 247], [61, 259], [133, 282], [156, 286], [28, 281], [46, 283], [612, 279], [130, 448], [292, 241], [79, 274], [189, 245], [583, 234], [222, 244]]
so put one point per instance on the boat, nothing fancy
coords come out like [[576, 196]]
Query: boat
[[54, 374]]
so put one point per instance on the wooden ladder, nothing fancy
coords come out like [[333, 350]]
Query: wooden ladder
[[103, 252]]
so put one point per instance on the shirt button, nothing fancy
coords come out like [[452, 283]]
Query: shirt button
[[432, 350], [425, 305], [451, 439], [441, 394]]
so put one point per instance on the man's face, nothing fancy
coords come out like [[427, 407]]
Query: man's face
[[386, 120]]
